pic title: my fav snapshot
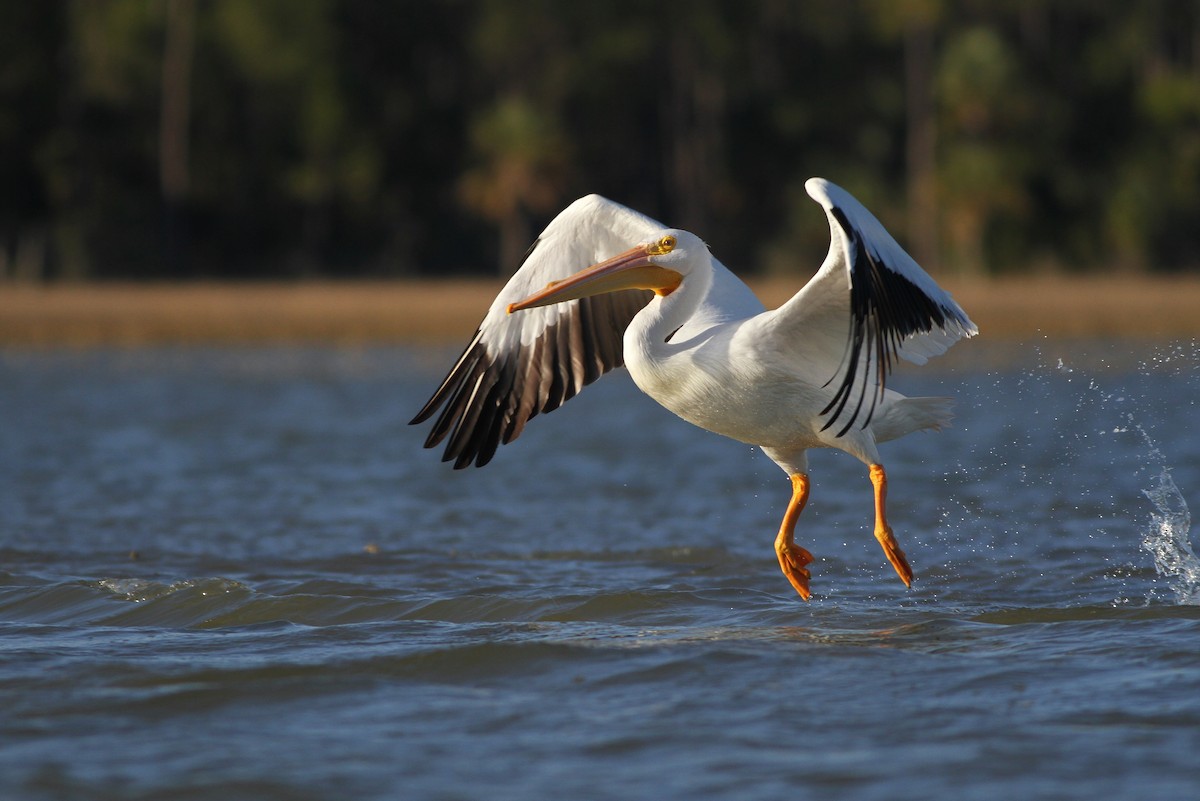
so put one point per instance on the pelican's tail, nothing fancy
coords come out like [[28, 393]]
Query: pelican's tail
[[906, 415]]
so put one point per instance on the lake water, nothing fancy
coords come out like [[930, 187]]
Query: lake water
[[235, 574]]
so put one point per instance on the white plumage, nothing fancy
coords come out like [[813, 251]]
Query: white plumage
[[811, 373]]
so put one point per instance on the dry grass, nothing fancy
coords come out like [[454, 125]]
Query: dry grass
[[426, 311], [233, 313]]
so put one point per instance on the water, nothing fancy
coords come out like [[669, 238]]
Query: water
[[234, 574]]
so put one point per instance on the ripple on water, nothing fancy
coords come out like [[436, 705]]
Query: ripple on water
[[320, 611]]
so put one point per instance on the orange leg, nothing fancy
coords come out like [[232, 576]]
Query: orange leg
[[793, 558], [883, 532]]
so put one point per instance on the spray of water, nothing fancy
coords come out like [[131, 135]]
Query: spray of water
[[1167, 536], [1167, 539], [1113, 426]]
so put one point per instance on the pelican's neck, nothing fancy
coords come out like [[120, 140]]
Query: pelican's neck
[[646, 340]]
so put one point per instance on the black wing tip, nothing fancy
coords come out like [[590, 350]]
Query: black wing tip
[[452, 381], [463, 461], [487, 397], [431, 406], [886, 308]]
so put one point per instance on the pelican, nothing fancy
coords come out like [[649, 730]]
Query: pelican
[[810, 374]]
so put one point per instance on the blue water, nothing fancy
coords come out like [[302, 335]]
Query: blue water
[[234, 573]]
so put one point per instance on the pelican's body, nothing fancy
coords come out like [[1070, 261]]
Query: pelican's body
[[737, 379], [808, 374]]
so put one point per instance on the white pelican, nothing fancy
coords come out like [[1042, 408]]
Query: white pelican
[[809, 374]]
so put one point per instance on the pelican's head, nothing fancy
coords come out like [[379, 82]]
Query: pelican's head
[[660, 265]]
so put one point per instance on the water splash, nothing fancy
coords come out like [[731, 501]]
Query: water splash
[[1167, 539], [1166, 536]]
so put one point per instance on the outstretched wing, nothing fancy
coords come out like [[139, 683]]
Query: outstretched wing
[[532, 361], [869, 303]]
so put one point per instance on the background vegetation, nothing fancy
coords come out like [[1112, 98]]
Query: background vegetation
[[270, 138]]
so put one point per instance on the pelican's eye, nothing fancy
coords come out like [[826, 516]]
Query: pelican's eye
[[664, 245]]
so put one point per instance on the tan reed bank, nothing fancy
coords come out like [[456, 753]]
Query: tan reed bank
[[84, 315]]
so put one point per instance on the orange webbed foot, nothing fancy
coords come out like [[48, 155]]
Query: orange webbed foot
[[792, 560]]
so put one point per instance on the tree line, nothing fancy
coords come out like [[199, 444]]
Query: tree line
[[181, 139]]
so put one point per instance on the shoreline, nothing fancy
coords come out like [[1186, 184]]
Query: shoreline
[[446, 312]]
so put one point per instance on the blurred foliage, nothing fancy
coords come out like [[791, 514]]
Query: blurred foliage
[[269, 138]]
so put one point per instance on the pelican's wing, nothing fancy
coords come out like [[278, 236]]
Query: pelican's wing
[[535, 360], [869, 303]]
